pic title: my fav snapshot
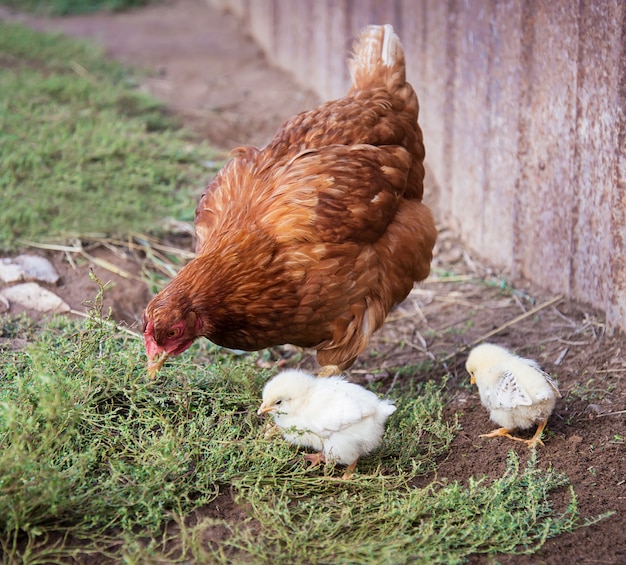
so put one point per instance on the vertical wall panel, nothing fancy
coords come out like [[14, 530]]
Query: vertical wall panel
[[522, 103], [469, 130], [596, 136], [283, 35], [500, 152], [360, 15], [616, 308], [546, 188], [319, 52], [435, 97], [412, 33], [262, 23], [340, 44], [307, 58]]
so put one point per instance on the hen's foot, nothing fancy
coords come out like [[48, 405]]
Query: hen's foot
[[329, 371]]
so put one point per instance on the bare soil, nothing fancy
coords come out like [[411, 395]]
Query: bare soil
[[217, 79]]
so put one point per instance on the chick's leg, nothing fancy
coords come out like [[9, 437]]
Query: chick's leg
[[349, 471], [536, 439], [329, 371], [315, 459]]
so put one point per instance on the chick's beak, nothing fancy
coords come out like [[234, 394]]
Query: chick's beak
[[264, 409], [472, 379]]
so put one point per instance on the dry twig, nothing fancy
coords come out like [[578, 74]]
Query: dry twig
[[504, 326]]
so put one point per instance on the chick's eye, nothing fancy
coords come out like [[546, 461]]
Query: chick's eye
[[278, 402]]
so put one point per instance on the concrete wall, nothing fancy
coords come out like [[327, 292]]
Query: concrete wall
[[524, 118]]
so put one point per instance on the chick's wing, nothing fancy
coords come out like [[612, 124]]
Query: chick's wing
[[508, 393], [337, 406], [543, 393]]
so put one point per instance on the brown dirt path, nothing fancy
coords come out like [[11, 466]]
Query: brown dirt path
[[202, 65]]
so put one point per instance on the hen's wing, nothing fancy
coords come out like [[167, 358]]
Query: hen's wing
[[508, 392], [331, 194], [221, 200], [337, 194]]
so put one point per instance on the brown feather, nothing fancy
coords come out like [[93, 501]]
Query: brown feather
[[313, 239]]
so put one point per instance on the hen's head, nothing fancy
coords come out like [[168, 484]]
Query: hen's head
[[168, 331]]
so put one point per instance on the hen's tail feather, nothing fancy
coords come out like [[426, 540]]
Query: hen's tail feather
[[378, 58]]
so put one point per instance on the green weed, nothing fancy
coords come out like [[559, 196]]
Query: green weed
[[92, 451]]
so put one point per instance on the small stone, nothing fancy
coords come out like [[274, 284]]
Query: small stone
[[27, 268], [34, 297]]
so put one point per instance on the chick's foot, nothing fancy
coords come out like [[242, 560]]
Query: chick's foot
[[531, 443], [536, 439], [315, 459], [349, 471], [499, 432]]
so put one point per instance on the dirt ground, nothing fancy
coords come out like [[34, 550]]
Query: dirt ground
[[205, 67]]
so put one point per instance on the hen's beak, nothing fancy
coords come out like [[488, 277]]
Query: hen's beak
[[263, 409], [155, 364]]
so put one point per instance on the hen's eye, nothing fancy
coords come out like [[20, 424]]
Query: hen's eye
[[173, 333]]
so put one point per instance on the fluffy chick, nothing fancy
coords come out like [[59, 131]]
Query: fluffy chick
[[342, 421], [517, 393]]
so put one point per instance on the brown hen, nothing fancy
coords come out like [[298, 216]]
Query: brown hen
[[312, 239]]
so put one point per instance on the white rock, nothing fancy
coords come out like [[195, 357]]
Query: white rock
[[27, 268], [32, 296]]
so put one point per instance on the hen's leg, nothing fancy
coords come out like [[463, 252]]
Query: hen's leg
[[315, 459], [329, 371]]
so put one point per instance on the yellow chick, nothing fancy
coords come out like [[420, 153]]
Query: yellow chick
[[517, 393], [342, 421]]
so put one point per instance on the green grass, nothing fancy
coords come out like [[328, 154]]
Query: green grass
[[97, 459], [76, 137], [67, 7]]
